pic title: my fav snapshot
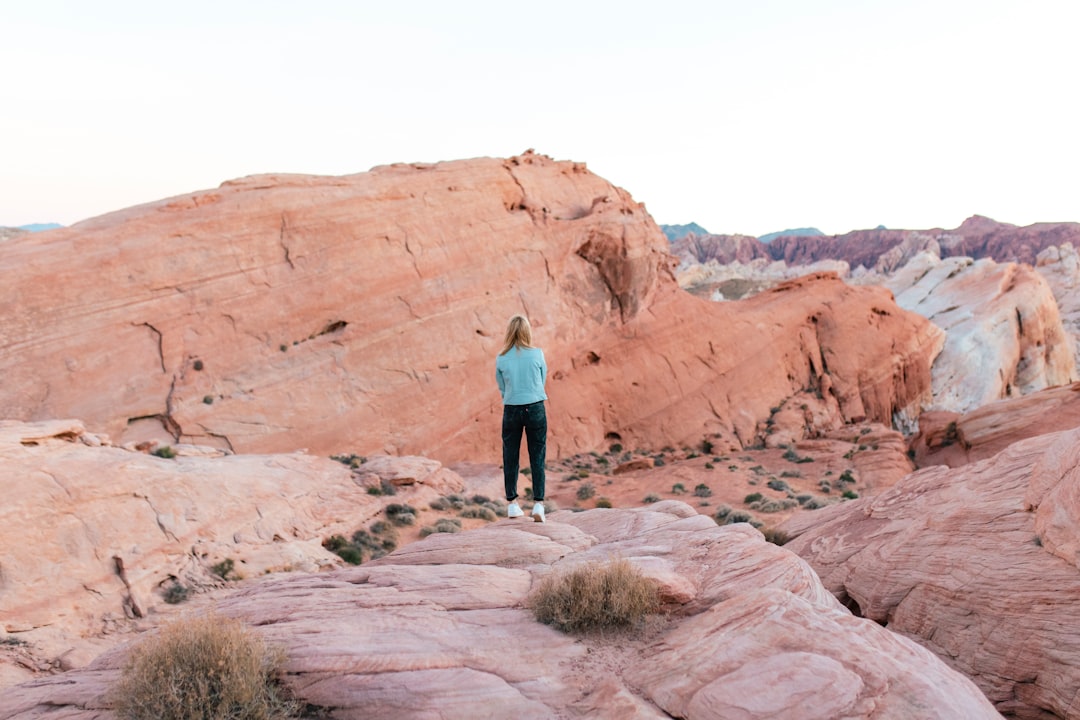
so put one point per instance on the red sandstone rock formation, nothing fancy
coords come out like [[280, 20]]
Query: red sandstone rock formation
[[724, 249], [979, 564], [954, 439], [362, 314], [439, 629]]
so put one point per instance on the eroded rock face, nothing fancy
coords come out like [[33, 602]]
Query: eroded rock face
[[979, 564], [439, 629], [1004, 333], [362, 314], [954, 439], [95, 535]]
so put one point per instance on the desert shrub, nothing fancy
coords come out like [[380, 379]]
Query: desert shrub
[[651, 498], [658, 461], [165, 451], [176, 593], [595, 596], [778, 485], [825, 486], [583, 473], [208, 399], [709, 466], [586, 491], [224, 569], [400, 514], [478, 511], [706, 447], [752, 497], [480, 499], [702, 490], [814, 504], [850, 495], [767, 505], [759, 470], [439, 503], [732, 468], [737, 516], [351, 554], [442, 525], [335, 543], [352, 460], [678, 489], [721, 514], [791, 474], [776, 537], [603, 502], [846, 477], [615, 448], [803, 498], [208, 667]]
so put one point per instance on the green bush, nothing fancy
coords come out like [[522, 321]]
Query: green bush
[[752, 497], [176, 593], [702, 490], [678, 489], [165, 451], [651, 498], [595, 596], [850, 495], [224, 569], [586, 491], [603, 502], [209, 667]]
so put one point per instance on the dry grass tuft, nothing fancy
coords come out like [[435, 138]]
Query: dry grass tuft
[[205, 668], [595, 596]]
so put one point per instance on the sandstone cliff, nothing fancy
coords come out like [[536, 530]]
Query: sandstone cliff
[[362, 314], [979, 564], [438, 629], [1004, 333]]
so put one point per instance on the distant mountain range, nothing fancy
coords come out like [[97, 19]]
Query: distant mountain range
[[674, 232], [38, 227], [796, 232]]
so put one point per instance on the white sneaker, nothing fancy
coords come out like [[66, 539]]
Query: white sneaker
[[538, 512], [513, 510]]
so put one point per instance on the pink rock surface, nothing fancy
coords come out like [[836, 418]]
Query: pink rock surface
[[413, 636], [978, 563], [74, 508], [955, 439], [361, 314]]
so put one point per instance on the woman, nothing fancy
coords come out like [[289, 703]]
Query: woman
[[520, 371]]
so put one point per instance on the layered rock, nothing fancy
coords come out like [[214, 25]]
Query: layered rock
[[1060, 267], [954, 439], [94, 535], [1004, 333], [439, 628], [979, 564], [362, 314]]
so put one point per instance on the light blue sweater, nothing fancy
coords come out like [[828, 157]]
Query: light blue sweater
[[521, 374]]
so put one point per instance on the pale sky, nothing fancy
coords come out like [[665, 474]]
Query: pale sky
[[746, 117]]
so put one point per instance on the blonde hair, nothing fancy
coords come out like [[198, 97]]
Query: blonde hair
[[518, 334]]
